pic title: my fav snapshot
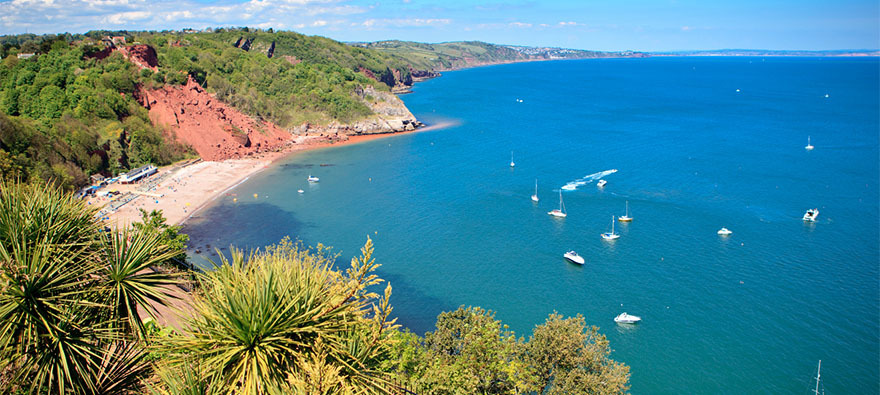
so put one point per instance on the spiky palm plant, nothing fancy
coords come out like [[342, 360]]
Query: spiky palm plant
[[58, 333], [270, 322]]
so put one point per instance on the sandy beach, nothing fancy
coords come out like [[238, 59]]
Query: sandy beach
[[180, 191]]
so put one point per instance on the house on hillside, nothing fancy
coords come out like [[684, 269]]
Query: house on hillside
[[138, 174], [25, 55]]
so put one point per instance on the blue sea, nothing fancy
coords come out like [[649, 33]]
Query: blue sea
[[698, 144]]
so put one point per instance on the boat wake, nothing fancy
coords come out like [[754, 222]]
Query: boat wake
[[574, 185]]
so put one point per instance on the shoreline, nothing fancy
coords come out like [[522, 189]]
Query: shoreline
[[182, 192]]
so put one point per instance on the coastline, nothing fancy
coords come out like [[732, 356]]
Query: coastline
[[181, 191]]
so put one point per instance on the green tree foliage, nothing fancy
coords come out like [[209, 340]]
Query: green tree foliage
[[283, 320], [68, 295], [56, 107], [169, 235], [471, 352]]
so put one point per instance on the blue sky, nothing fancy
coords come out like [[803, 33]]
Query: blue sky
[[586, 24]]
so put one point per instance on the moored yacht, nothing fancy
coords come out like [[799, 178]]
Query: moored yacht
[[625, 217], [560, 212], [724, 232], [811, 215], [601, 183], [573, 257], [313, 178], [625, 318], [611, 235]]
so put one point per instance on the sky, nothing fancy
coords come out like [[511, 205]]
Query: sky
[[610, 25]]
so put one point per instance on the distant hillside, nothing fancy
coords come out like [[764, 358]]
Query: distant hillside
[[766, 52], [105, 102], [456, 55]]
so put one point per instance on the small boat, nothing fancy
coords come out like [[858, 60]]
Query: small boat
[[573, 257], [819, 377], [809, 146], [724, 232], [625, 217], [625, 318], [511, 159], [601, 183], [560, 212], [611, 235], [300, 191], [313, 178], [811, 215], [535, 196], [569, 187]]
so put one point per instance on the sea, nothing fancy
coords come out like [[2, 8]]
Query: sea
[[698, 143]]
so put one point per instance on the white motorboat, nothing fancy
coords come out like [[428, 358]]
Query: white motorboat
[[611, 235], [535, 196], [724, 232], [625, 217], [809, 146], [313, 178], [511, 159], [569, 187], [573, 257], [811, 215], [601, 183], [625, 318], [560, 212], [300, 191]]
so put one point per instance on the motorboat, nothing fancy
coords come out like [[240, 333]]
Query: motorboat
[[535, 196], [809, 146], [611, 235], [300, 191], [724, 232], [573, 257], [625, 217], [560, 212], [625, 318], [569, 187], [811, 215], [313, 178], [601, 183]]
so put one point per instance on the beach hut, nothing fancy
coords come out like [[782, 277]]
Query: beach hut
[[137, 174]]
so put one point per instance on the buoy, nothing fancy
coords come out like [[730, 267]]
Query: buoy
[[371, 179], [234, 200], [255, 196], [187, 204]]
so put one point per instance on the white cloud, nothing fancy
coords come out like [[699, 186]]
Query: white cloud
[[404, 22], [520, 24], [319, 23], [125, 17], [686, 28], [569, 23]]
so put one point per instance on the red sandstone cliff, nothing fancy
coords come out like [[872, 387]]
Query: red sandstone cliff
[[215, 130]]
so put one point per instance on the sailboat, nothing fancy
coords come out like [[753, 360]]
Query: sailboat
[[818, 377], [535, 196], [809, 146], [511, 159], [626, 217], [560, 212], [610, 235]]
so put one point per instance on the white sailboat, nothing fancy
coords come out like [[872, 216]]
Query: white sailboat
[[511, 159], [535, 196], [625, 217], [809, 146], [610, 235], [818, 378], [560, 212]]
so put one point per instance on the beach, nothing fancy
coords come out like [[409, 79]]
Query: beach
[[179, 191]]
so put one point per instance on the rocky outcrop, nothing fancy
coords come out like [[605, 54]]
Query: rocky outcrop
[[271, 51], [246, 46], [215, 130], [421, 75], [144, 56]]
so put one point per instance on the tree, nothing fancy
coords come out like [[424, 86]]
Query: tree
[[62, 288], [569, 358], [282, 320], [169, 235]]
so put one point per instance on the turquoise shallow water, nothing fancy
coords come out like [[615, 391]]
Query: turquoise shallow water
[[754, 312]]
